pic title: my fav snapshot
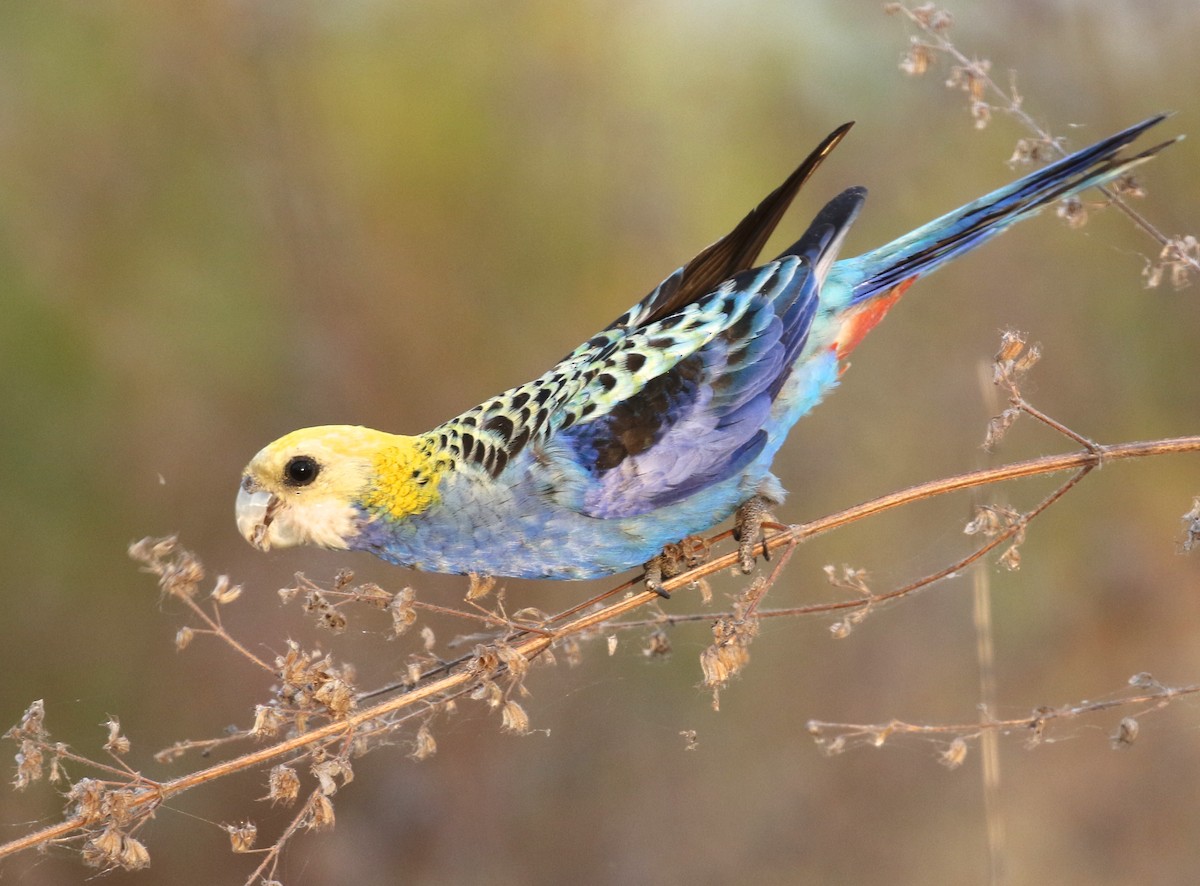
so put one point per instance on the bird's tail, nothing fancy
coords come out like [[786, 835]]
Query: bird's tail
[[927, 248]]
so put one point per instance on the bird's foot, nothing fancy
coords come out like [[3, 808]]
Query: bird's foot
[[654, 576], [674, 560], [748, 525]]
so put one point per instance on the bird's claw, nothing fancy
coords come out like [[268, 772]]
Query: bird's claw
[[654, 576], [747, 529], [673, 560]]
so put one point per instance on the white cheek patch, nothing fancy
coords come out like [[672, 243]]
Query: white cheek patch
[[328, 523]]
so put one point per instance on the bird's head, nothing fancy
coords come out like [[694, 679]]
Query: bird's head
[[317, 485]]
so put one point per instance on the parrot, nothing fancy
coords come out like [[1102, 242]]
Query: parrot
[[654, 430]]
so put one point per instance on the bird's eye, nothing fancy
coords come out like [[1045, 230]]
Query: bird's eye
[[301, 470]]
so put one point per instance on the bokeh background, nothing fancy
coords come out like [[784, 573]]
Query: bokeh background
[[223, 221]]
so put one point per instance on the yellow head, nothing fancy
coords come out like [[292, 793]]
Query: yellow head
[[310, 487]]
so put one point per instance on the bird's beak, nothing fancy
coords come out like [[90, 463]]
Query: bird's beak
[[255, 509]]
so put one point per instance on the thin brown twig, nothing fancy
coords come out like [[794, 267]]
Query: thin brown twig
[[877, 734]]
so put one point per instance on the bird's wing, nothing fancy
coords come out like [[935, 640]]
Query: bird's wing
[[682, 404], [673, 396]]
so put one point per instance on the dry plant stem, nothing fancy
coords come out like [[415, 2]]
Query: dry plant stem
[[147, 795], [213, 624], [877, 733], [1047, 464], [1033, 412], [756, 596], [1012, 105], [156, 793], [271, 858]]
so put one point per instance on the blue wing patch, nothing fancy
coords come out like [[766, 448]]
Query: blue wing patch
[[700, 421]]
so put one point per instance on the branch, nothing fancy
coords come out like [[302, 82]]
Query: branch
[[139, 798]]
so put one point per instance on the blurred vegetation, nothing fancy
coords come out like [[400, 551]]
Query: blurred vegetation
[[223, 221]]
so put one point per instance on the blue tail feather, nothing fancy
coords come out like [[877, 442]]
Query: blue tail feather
[[943, 239]]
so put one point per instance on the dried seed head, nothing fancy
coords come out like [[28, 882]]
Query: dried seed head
[[242, 836], [1027, 361], [428, 640], [517, 664], [1127, 186], [1037, 726], [690, 742], [373, 595], [834, 747], [1012, 343], [1191, 527], [1072, 211], [952, 757], [611, 642], [1179, 258], [981, 113], [328, 771], [998, 426], [487, 691], [728, 654], [32, 723], [29, 764], [1026, 151], [940, 21], [224, 591], [134, 855], [104, 849], [413, 672], [58, 774], [479, 586], [328, 615], [917, 60], [86, 799], [514, 719], [924, 14], [283, 785], [320, 813], [268, 720], [1011, 558], [424, 746], [183, 637], [1126, 734], [986, 522], [117, 743], [658, 644], [404, 613], [849, 579], [572, 651], [337, 696], [179, 571]]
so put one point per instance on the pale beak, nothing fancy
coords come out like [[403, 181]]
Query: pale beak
[[255, 509]]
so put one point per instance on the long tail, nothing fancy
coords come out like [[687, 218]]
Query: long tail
[[928, 247]]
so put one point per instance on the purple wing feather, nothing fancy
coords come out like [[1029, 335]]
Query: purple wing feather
[[703, 420]]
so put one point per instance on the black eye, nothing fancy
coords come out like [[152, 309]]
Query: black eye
[[301, 470]]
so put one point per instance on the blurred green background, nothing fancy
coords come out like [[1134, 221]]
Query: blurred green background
[[223, 221]]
